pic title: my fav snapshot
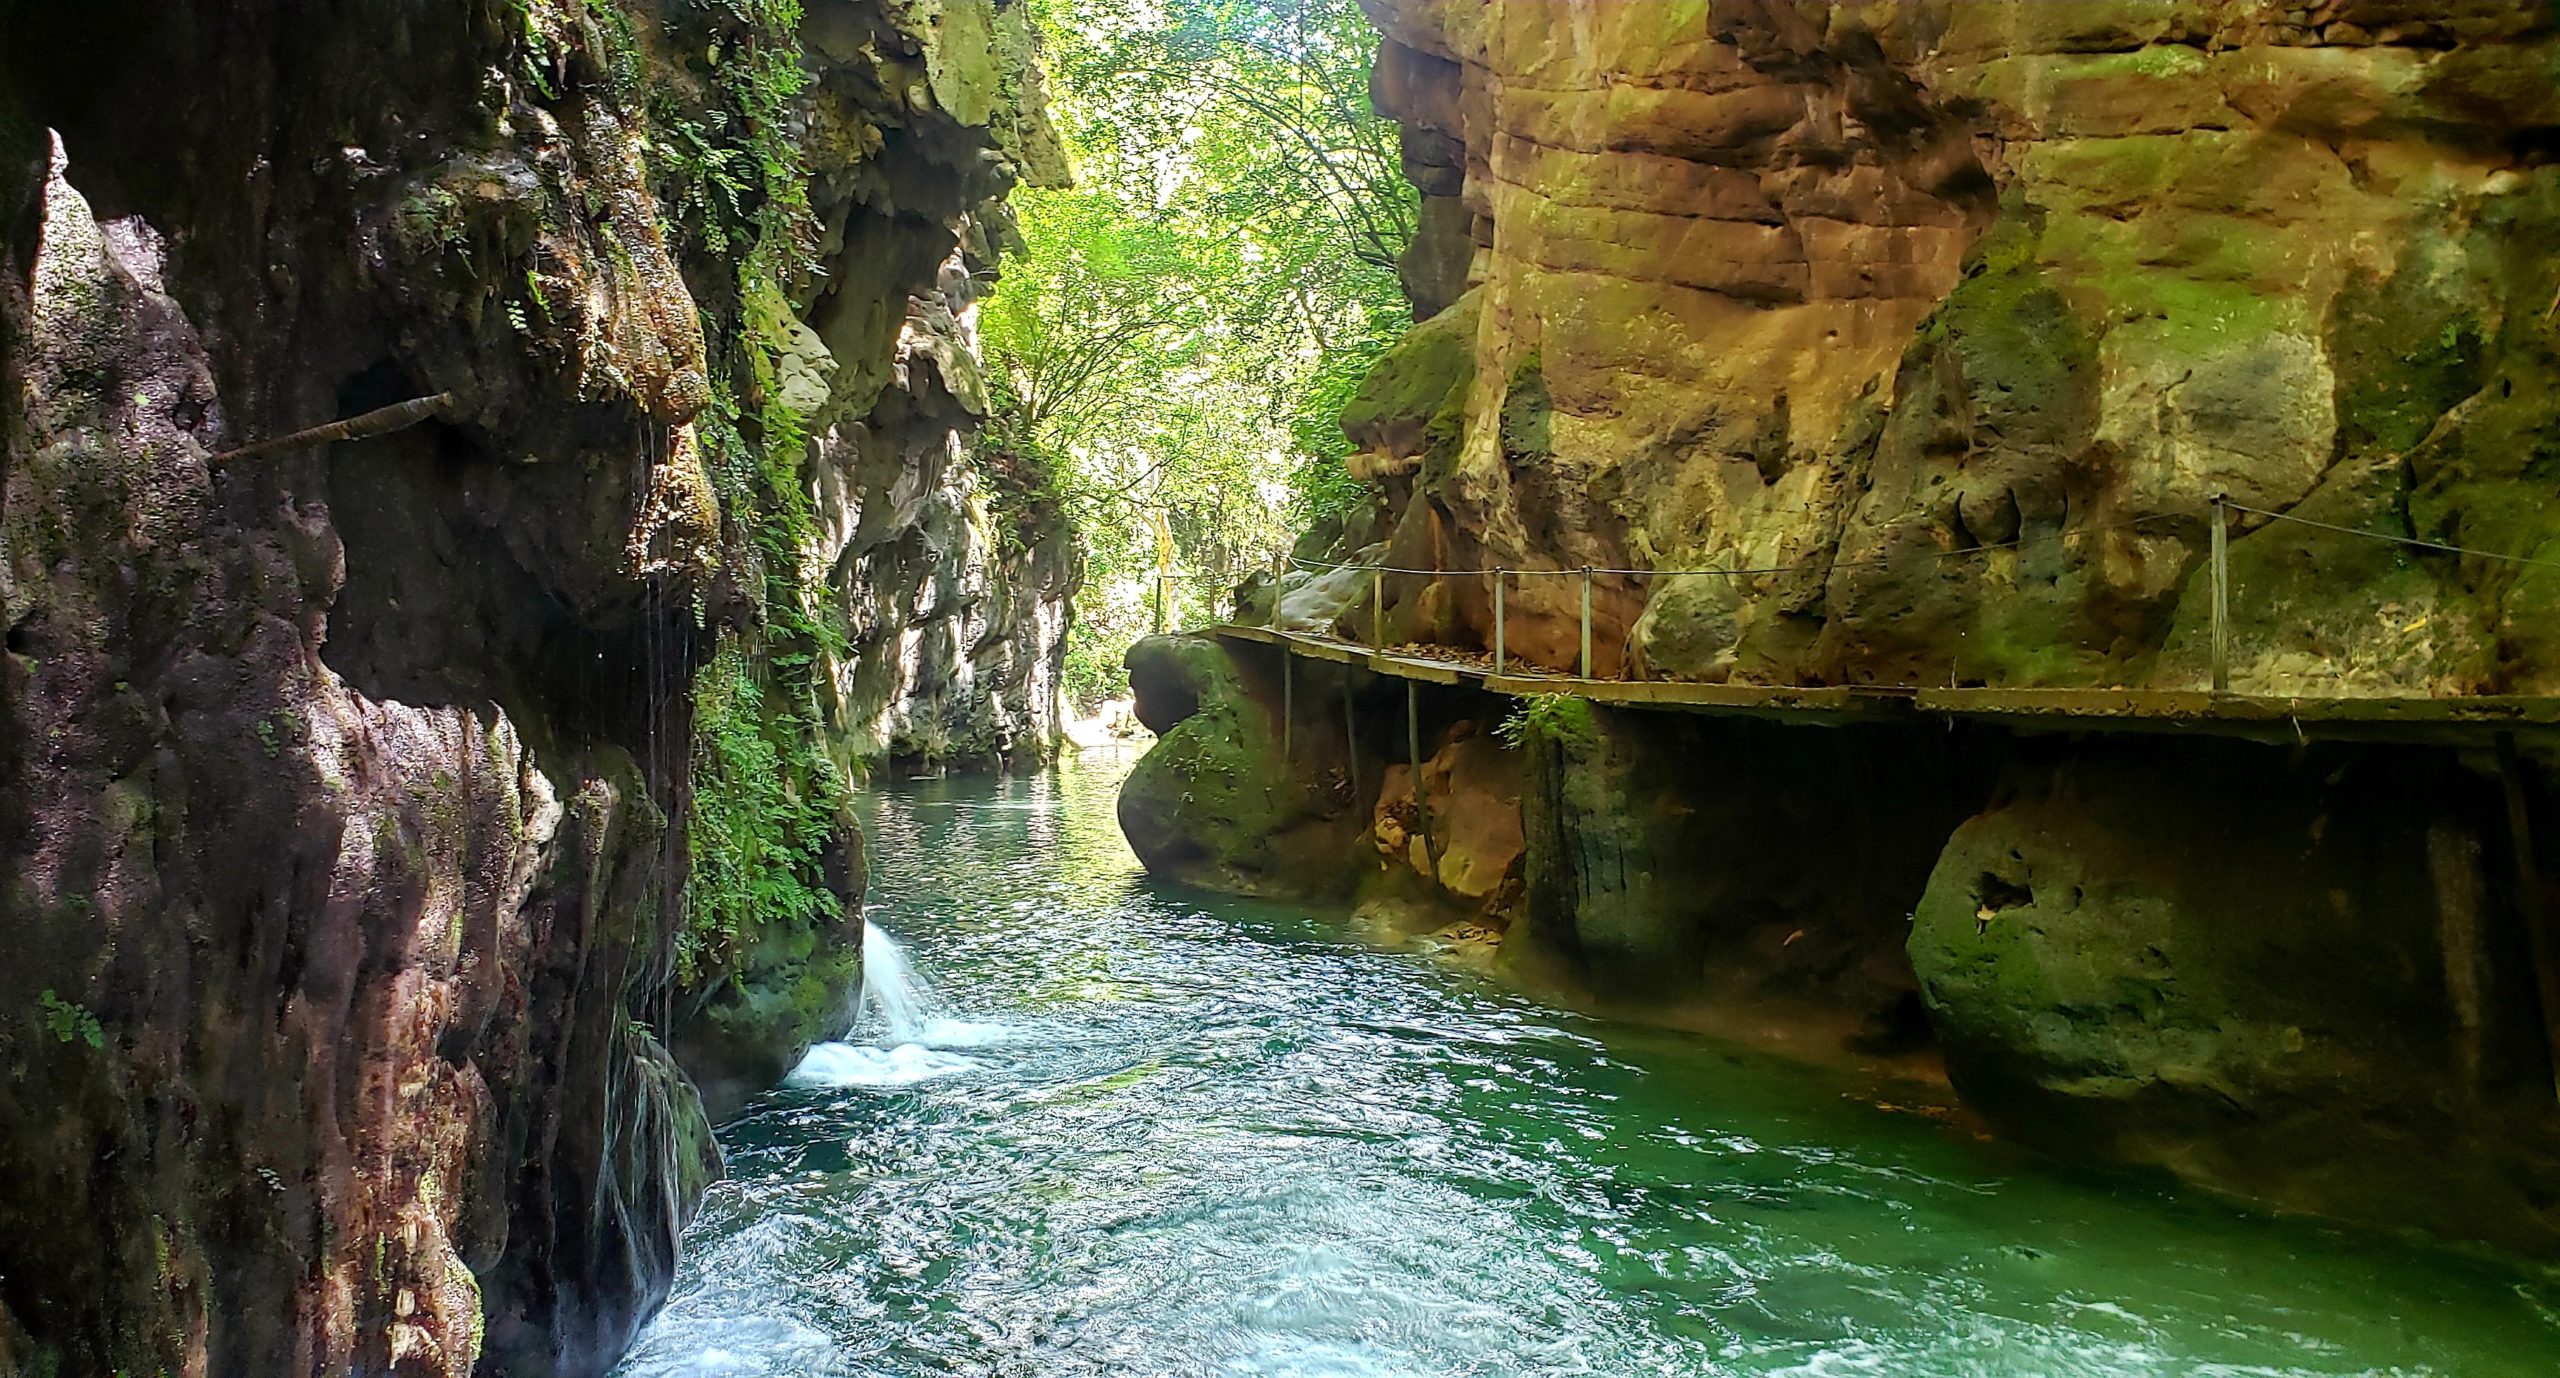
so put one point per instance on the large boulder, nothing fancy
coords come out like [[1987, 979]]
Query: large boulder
[[1212, 802], [2298, 975]]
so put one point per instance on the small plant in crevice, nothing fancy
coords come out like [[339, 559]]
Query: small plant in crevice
[[1562, 718], [69, 1021]]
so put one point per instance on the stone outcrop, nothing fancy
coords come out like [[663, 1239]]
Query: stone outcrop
[[1957, 314], [1213, 803], [2297, 974], [374, 815]]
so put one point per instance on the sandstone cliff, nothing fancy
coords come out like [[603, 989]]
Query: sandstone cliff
[[1957, 314], [1946, 321], [376, 816]]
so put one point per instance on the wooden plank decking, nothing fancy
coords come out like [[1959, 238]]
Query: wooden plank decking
[[2471, 721]]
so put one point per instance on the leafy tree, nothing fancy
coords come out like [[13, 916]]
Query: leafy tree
[[1169, 356]]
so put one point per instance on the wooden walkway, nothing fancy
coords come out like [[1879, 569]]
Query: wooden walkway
[[2471, 721]]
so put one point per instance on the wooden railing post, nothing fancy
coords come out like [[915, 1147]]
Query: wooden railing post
[[1497, 620], [2533, 898], [1378, 609], [1350, 738], [2221, 594], [1586, 621]]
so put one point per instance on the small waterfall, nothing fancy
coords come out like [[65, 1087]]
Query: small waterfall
[[891, 988], [912, 1041]]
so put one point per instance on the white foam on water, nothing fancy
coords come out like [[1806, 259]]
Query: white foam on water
[[856, 1064], [913, 1043]]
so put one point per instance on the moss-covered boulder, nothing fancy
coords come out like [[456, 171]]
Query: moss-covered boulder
[[1417, 395], [2295, 975], [1213, 803]]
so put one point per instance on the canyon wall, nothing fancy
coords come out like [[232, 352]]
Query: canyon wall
[[1954, 317], [1942, 324], [413, 842]]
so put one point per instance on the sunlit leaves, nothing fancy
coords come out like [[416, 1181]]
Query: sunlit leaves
[[1169, 359]]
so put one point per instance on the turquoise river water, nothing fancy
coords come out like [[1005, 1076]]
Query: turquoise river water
[[1105, 1128]]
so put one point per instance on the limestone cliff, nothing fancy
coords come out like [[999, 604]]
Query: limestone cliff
[[377, 815], [1957, 314]]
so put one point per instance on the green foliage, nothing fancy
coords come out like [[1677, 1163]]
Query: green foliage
[[70, 1021], [1168, 359], [765, 803], [1561, 718], [721, 82]]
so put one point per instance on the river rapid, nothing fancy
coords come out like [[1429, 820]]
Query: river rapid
[[1103, 1127]]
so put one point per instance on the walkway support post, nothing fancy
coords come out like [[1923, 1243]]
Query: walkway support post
[[1497, 620], [1413, 756], [1351, 738], [1586, 621], [1288, 700], [1378, 608], [2221, 593]]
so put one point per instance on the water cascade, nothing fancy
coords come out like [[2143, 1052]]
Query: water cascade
[[891, 989], [908, 1041]]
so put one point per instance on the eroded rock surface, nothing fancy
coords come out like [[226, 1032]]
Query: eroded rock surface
[[1212, 803], [2301, 975], [1943, 322], [363, 807], [1957, 314]]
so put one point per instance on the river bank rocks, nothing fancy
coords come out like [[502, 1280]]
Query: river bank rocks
[[406, 838], [2304, 975], [1909, 345]]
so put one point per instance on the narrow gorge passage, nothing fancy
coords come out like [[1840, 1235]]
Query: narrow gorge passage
[[1147, 1131]]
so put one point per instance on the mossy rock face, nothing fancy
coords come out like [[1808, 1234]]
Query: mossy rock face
[[1204, 802], [1419, 387], [1691, 629], [2289, 975], [1211, 803], [792, 988]]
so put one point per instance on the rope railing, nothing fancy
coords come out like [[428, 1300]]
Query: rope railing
[[2388, 538], [2218, 562]]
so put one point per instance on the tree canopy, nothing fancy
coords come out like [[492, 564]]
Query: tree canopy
[[1169, 353]]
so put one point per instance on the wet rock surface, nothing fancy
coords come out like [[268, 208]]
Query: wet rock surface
[[353, 798]]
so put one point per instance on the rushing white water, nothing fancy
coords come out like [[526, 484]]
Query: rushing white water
[[891, 989], [911, 1040], [1213, 1139]]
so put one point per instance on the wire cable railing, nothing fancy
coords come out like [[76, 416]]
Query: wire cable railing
[[1829, 561]]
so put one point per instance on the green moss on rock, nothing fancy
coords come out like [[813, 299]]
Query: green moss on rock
[[2232, 961], [1425, 378]]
